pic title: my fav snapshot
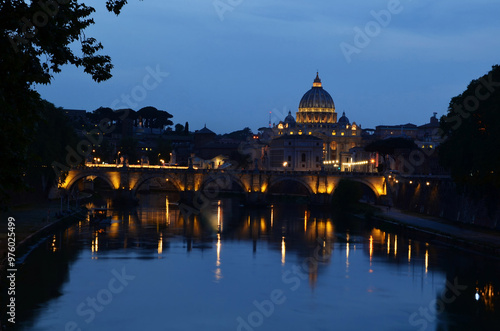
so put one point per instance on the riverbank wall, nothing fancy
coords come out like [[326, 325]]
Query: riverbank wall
[[442, 199]]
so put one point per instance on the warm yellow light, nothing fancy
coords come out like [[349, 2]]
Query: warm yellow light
[[371, 247], [160, 244], [409, 252], [426, 260], [218, 250], [283, 250], [219, 217], [427, 183], [396, 245], [285, 164]]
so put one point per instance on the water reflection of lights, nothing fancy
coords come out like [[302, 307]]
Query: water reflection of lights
[[371, 249], [160, 245], [95, 245], [395, 245], [272, 215], [167, 211], [218, 250], [305, 221], [54, 248], [218, 271], [426, 260], [409, 252], [283, 250], [347, 256], [219, 217], [487, 295], [388, 244]]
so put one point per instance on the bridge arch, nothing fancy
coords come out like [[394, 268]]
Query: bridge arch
[[144, 178], [375, 189], [225, 182], [376, 184], [279, 181], [72, 180]]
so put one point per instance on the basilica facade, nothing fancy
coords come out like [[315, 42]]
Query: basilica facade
[[317, 117]]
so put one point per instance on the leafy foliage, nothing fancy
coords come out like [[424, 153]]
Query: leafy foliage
[[472, 131], [37, 38], [241, 135], [53, 133], [390, 146]]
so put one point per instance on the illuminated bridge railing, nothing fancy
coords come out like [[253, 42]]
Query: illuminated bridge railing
[[139, 167]]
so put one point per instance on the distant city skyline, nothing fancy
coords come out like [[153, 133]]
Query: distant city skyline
[[227, 64]]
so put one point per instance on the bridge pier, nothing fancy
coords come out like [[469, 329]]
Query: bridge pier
[[257, 199], [320, 199]]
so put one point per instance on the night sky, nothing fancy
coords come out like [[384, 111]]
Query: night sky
[[228, 63]]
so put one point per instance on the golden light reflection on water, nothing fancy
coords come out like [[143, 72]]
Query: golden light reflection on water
[[487, 295], [272, 216], [305, 221], [218, 250], [347, 257], [409, 252], [160, 245], [95, 245], [426, 260], [283, 250], [388, 244], [167, 211], [371, 249], [219, 217], [395, 245]]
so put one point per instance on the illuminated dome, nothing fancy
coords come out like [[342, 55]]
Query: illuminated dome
[[316, 106], [317, 97]]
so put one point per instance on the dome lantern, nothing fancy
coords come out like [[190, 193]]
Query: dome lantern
[[316, 106]]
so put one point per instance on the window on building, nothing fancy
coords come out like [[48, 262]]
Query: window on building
[[303, 157], [317, 158], [289, 158]]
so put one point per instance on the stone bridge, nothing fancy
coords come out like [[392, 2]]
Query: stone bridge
[[253, 184]]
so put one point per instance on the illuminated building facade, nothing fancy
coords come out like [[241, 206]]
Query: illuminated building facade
[[317, 117]]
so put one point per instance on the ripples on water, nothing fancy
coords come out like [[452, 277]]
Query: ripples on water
[[282, 267]]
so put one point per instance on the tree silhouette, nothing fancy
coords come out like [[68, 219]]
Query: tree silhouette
[[32, 50], [472, 131]]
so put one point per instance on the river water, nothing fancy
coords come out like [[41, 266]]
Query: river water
[[286, 266]]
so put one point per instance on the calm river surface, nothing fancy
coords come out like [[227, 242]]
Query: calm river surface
[[281, 267]]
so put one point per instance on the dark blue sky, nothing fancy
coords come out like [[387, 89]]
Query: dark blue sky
[[228, 63]]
